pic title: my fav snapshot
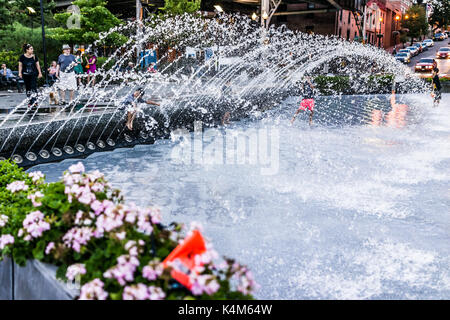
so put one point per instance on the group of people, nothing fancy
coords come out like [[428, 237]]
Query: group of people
[[63, 72]]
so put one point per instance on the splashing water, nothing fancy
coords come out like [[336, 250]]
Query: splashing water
[[259, 67], [353, 212]]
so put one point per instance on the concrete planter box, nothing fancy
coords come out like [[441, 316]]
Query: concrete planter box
[[35, 281]]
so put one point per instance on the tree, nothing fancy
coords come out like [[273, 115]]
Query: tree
[[441, 14], [5, 15], [94, 18], [177, 7], [417, 22]]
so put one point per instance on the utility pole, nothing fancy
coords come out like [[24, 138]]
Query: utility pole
[[139, 30], [43, 42], [364, 24], [265, 9]]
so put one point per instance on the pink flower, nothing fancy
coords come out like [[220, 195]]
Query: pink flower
[[121, 235], [76, 237], [35, 225], [3, 220], [153, 270], [204, 284], [135, 292], [75, 270], [98, 187], [77, 168], [33, 197], [93, 291], [123, 272], [87, 196], [95, 175], [156, 293], [97, 206], [5, 240], [36, 176], [49, 247], [17, 186]]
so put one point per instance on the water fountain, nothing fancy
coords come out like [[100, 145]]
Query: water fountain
[[265, 69], [358, 207]]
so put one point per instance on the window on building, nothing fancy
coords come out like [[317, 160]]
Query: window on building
[[349, 17], [340, 32], [348, 34], [340, 18]]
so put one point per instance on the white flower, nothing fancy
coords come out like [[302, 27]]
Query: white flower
[[75, 270], [17, 186], [5, 240], [77, 168], [36, 176], [3, 220]]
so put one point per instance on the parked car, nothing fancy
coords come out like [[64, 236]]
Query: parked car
[[403, 57], [414, 50], [429, 42], [425, 64], [439, 37], [443, 53], [418, 45], [424, 47], [407, 51]]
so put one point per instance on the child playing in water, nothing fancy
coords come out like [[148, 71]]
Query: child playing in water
[[131, 104], [307, 102]]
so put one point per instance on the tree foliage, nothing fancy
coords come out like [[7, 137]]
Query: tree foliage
[[94, 18], [177, 7], [17, 11], [441, 14], [417, 22]]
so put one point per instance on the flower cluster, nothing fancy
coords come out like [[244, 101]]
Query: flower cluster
[[124, 271], [152, 270], [93, 290], [77, 237], [82, 210], [35, 225], [3, 220], [34, 196], [75, 270], [246, 282], [81, 185], [36, 176], [204, 284], [142, 292], [17, 186], [49, 247], [5, 240]]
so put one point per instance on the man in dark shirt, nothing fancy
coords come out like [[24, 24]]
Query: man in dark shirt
[[65, 73]]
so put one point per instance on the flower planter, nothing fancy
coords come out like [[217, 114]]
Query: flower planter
[[35, 281]]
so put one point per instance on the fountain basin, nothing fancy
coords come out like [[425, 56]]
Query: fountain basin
[[35, 281]]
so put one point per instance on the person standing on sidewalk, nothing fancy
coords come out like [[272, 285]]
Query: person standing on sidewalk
[[436, 83], [29, 71], [79, 71], [91, 68], [66, 74]]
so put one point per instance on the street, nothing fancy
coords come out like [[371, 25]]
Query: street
[[443, 64]]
